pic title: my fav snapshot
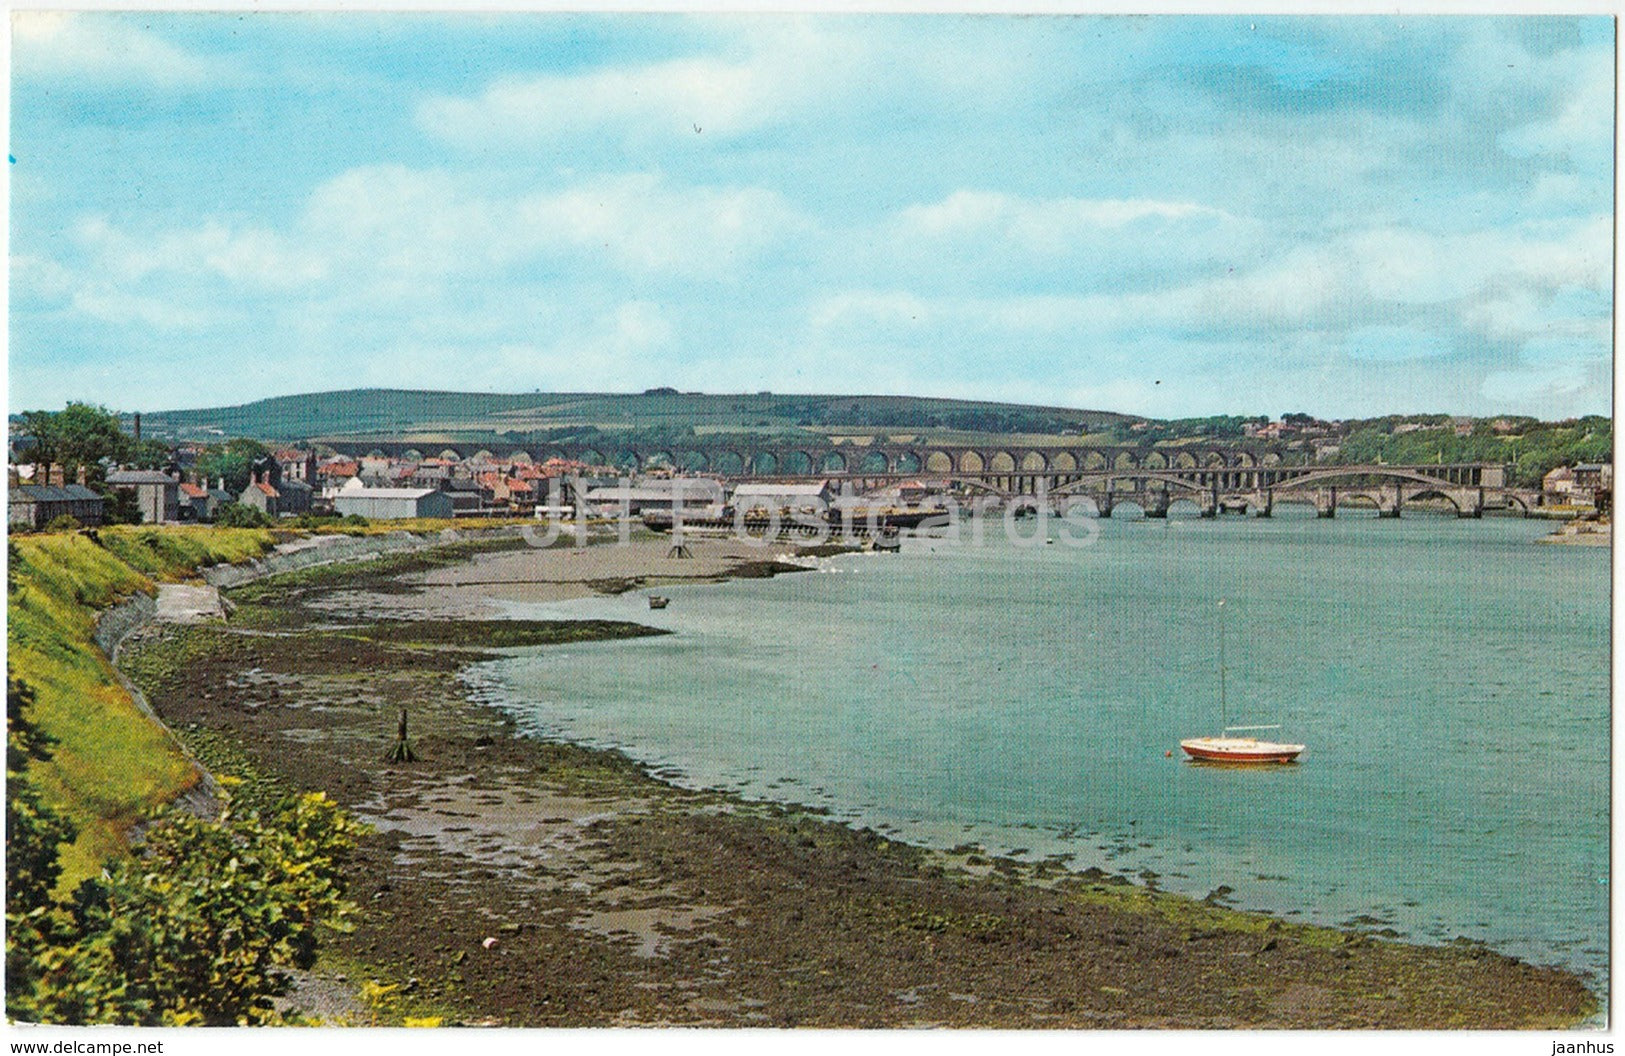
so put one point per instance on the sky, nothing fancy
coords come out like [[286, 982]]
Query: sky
[[1165, 216]]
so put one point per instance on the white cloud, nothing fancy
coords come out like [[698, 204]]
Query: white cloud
[[101, 49], [847, 80], [122, 308], [688, 97], [40, 277], [1583, 110], [648, 226], [1393, 344], [248, 257], [1042, 223], [1537, 386], [405, 221], [991, 241], [606, 348]]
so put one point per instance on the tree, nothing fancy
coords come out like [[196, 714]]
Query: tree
[[149, 454], [231, 463], [121, 507], [87, 434], [41, 425]]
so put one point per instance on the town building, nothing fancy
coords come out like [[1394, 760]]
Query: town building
[[37, 505], [1587, 484], [1589, 476], [769, 497], [466, 499], [157, 495], [694, 496], [194, 502], [274, 495], [298, 465]]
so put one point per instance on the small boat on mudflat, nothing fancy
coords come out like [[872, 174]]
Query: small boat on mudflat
[[658, 602]]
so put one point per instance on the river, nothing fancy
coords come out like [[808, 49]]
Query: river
[[1450, 678]]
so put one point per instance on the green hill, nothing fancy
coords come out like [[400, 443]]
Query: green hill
[[560, 415]]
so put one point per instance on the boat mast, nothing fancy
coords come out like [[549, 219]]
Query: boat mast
[[1224, 717]]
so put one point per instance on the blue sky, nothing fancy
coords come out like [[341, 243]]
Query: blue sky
[[1165, 216]]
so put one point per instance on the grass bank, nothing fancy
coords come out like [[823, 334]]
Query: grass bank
[[112, 764]]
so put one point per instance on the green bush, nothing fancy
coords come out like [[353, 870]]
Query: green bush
[[66, 522], [35, 833], [237, 515], [197, 929], [120, 507]]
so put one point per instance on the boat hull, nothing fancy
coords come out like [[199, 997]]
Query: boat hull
[[1239, 750]]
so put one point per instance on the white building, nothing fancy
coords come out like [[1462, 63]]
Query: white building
[[769, 497], [695, 496], [391, 504]]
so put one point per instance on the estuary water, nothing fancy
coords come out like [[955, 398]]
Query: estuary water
[[1450, 678]]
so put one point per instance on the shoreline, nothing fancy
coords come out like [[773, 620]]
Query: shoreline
[[666, 905]]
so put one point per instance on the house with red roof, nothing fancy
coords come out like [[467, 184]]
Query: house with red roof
[[263, 496]]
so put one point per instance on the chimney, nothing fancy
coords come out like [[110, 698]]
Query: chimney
[[81, 476], [138, 427]]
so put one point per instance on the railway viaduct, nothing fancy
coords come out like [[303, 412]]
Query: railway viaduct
[[1238, 477]]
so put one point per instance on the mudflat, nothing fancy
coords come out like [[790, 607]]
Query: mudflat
[[560, 571], [521, 881]]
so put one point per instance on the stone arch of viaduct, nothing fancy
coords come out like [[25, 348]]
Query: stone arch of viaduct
[[826, 459]]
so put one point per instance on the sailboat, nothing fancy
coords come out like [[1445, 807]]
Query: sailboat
[[1228, 749]]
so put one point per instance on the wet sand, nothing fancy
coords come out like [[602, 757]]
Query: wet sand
[[526, 882], [562, 572]]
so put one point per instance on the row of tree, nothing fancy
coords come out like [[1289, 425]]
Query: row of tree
[[1535, 451], [85, 436], [90, 438]]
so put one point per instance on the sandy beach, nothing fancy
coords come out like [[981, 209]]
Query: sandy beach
[[527, 882], [563, 571]]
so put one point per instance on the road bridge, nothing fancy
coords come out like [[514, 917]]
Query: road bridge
[[1469, 488]]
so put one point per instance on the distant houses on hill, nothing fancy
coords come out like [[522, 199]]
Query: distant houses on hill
[[1589, 484]]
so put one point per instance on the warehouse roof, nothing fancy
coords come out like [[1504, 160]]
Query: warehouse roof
[[385, 493], [52, 493]]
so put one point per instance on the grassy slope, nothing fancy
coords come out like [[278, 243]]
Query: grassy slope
[[112, 764], [430, 413]]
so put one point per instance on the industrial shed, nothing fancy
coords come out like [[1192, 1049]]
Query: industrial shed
[[392, 504]]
